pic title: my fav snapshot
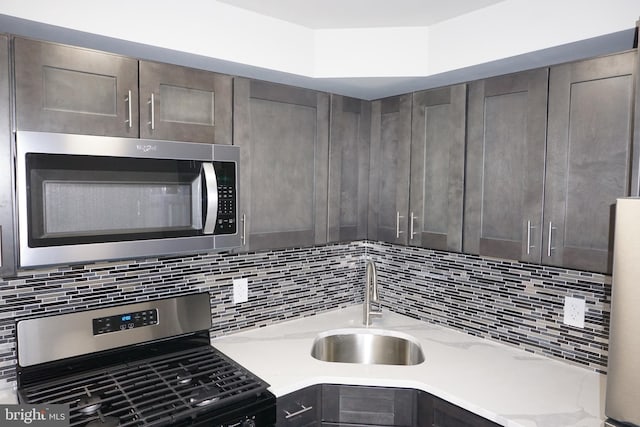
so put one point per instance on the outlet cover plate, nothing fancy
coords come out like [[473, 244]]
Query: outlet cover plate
[[574, 309], [240, 290]]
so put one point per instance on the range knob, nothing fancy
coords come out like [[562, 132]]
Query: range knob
[[248, 423]]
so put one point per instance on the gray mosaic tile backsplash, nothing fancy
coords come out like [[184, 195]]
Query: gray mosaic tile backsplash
[[283, 284], [515, 303], [508, 301]]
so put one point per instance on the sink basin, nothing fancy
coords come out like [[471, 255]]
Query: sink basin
[[367, 346]]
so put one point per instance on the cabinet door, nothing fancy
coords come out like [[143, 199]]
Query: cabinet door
[[300, 408], [283, 133], [368, 405], [349, 168], [389, 169], [437, 168], [71, 90], [7, 254], [588, 158], [188, 104], [506, 133], [448, 415]]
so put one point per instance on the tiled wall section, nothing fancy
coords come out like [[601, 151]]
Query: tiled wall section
[[519, 304], [283, 284]]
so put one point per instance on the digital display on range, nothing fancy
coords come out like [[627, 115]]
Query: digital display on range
[[125, 321]]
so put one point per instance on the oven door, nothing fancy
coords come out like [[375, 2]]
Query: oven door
[[84, 198]]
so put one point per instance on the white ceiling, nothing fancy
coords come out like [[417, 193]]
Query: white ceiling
[[322, 14]]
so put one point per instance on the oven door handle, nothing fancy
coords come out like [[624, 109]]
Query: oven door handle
[[210, 210]]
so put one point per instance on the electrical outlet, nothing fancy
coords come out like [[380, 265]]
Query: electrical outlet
[[240, 290], [574, 309]]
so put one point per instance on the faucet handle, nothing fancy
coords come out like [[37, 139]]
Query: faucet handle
[[375, 312]]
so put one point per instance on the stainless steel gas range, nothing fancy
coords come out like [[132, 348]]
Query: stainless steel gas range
[[142, 364]]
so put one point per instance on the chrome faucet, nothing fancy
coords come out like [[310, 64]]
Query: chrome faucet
[[370, 294]]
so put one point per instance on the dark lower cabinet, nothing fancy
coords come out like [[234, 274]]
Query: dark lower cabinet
[[331, 405], [359, 405], [300, 408], [435, 412]]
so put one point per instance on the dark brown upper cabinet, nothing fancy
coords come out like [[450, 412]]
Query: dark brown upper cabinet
[[588, 161], [73, 90], [543, 176], [437, 168], [349, 137], [283, 133], [184, 104], [389, 169], [506, 133]]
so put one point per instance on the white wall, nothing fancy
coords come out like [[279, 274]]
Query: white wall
[[202, 27], [217, 30], [372, 52], [516, 27]]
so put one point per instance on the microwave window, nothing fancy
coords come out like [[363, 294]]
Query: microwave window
[[114, 207], [89, 199]]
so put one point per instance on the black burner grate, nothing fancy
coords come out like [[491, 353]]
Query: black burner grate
[[158, 391]]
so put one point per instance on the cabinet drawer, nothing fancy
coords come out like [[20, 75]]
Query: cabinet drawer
[[367, 405], [300, 408]]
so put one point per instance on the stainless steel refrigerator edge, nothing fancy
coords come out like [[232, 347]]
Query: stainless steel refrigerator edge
[[623, 376]]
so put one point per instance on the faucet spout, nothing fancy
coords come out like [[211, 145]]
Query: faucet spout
[[371, 293]]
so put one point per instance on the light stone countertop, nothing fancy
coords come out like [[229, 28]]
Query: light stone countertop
[[512, 387], [8, 395]]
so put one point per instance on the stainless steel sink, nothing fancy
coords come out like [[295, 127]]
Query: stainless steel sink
[[367, 346]]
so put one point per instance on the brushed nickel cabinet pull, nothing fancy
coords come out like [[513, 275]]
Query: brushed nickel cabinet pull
[[152, 102], [398, 217], [295, 414], [549, 244], [243, 236], [411, 231], [130, 121], [529, 228]]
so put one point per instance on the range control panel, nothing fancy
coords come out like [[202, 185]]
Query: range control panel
[[122, 322]]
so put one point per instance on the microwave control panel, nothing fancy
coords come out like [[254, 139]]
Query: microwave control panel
[[124, 321], [227, 198]]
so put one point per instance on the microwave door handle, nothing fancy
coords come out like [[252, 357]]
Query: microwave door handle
[[211, 188]]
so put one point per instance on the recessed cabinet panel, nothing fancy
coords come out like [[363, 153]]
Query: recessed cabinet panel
[[188, 106], [184, 104], [72, 90], [348, 168], [64, 90], [368, 405], [436, 183], [437, 168], [389, 169], [596, 171], [283, 134], [505, 166], [504, 147], [589, 153]]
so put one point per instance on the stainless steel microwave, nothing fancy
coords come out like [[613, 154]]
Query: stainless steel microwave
[[86, 198]]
